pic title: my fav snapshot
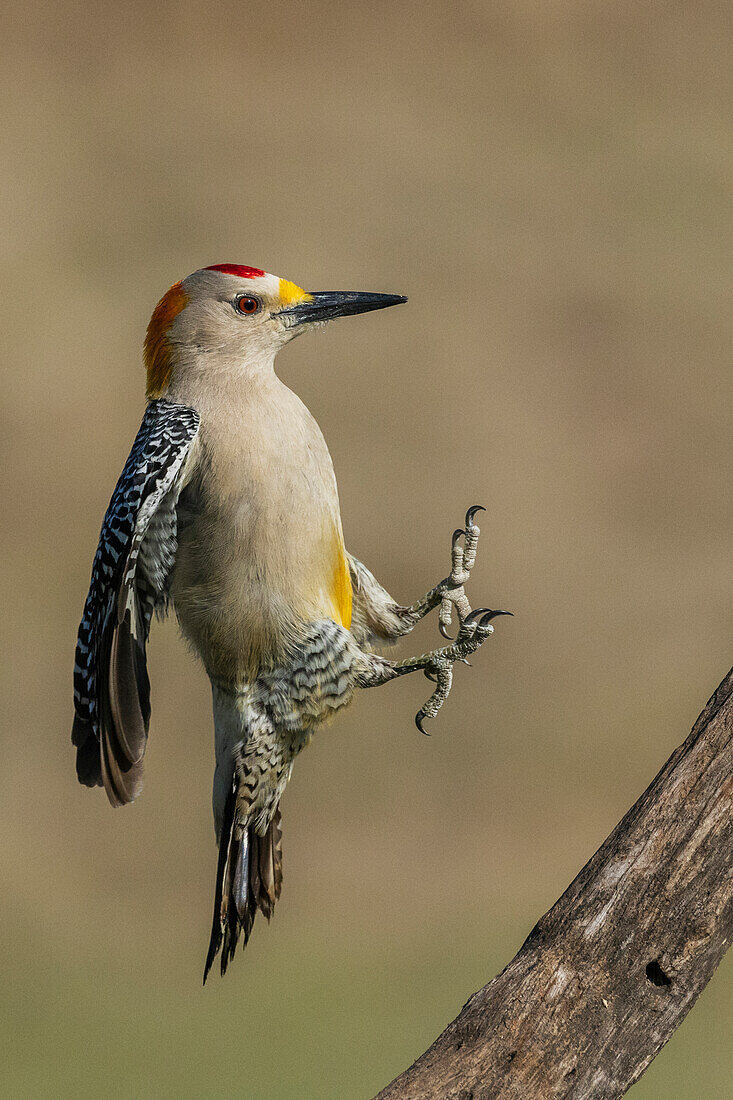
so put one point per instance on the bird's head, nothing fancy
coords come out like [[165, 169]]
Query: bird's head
[[238, 315]]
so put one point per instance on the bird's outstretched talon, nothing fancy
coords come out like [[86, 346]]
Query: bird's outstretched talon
[[474, 616], [475, 629], [463, 558], [484, 615], [442, 668]]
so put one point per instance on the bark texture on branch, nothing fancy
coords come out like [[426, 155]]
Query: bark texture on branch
[[613, 968]]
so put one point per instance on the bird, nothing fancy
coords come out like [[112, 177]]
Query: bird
[[227, 511]]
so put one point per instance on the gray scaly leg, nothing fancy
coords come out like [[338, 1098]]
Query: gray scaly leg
[[437, 665], [451, 591]]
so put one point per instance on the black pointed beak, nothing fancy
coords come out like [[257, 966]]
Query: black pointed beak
[[324, 305]]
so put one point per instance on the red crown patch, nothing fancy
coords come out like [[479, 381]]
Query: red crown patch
[[237, 269]]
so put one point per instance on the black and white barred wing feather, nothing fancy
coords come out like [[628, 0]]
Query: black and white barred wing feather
[[132, 566]]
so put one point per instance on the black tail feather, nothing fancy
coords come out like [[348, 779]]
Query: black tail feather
[[249, 877], [217, 930], [88, 762]]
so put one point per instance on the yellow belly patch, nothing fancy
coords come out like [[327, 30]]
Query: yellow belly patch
[[342, 589]]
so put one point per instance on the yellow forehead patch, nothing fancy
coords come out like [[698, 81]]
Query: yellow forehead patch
[[157, 352], [290, 294]]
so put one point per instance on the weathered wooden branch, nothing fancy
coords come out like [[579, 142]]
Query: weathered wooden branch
[[613, 968]]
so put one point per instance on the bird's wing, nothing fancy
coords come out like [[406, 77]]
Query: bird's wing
[[132, 566]]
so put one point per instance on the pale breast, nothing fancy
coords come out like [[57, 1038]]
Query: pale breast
[[260, 546]]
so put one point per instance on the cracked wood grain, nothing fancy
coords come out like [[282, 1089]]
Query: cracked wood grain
[[611, 970]]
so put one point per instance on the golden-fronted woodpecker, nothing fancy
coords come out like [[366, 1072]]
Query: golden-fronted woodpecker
[[227, 509]]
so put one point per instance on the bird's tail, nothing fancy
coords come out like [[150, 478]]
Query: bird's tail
[[249, 877]]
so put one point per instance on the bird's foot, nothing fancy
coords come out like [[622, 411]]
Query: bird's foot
[[474, 627], [450, 592], [463, 558], [438, 666]]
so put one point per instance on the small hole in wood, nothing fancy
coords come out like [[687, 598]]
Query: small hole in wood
[[656, 975]]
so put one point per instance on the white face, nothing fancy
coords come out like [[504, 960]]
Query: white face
[[236, 319], [238, 316], [245, 313]]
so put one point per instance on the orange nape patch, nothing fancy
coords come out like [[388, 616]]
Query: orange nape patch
[[157, 352], [290, 294], [342, 592]]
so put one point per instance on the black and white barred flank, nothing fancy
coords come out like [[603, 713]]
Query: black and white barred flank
[[130, 574]]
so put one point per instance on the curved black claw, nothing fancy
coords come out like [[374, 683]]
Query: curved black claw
[[477, 614], [443, 630], [493, 615], [472, 512], [459, 533], [419, 719]]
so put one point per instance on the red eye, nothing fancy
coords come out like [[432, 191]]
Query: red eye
[[247, 305]]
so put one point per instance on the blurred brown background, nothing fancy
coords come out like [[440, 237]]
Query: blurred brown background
[[550, 183]]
